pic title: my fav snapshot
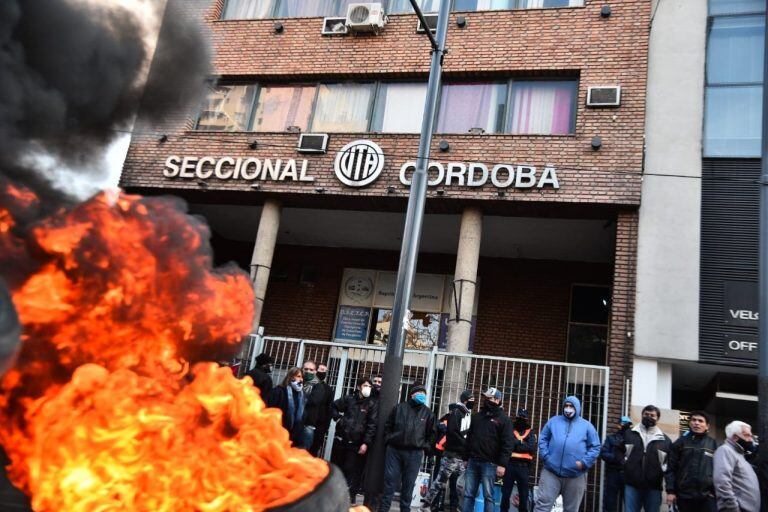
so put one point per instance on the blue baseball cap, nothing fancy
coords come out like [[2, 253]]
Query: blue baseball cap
[[625, 419]]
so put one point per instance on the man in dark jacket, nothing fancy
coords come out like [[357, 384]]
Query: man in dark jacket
[[357, 416], [454, 459], [645, 463], [612, 454], [489, 445], [409, 432], [519, 464], [261, 374], [317, 411], [689, 473]]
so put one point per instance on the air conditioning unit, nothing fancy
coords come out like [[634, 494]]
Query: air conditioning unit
[[334, 26], [604, 96], [313, 143], [431, 23], [367, 17]]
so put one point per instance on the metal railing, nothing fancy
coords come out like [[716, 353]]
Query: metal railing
[[538, 386]]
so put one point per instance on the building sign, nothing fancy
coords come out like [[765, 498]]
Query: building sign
[[743, 346], [359, 163], [352, 324], [740, 303], [427, 293]]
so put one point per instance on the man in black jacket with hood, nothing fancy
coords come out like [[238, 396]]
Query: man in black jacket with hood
[[261, 374], [689, 475], [409, 432], [357, 416], [489, 442], [454, 459], [519, 464], [646, 461], [612, 453]]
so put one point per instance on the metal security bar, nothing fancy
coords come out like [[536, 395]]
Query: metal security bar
[[538, 386]]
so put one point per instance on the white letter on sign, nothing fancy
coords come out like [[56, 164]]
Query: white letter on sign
[[172, 166]]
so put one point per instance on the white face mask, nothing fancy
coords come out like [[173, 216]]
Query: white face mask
[[296, 385], [366, 391], [569, 412]]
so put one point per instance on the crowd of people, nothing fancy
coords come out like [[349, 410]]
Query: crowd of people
[[486, 448]]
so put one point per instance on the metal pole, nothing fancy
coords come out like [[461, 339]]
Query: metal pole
[[762, 378], [393, 362]]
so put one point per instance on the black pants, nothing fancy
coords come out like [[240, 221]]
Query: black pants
[[345, 456], [516, 473], [705, 505], [400, 467], [614, 489]]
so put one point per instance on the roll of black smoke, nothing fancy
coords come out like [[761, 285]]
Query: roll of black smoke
[[71, 73]]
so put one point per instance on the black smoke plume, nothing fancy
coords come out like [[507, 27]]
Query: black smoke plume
[[72, 78]]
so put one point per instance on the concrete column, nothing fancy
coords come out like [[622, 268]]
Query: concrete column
[[465, 280], [261, 262]]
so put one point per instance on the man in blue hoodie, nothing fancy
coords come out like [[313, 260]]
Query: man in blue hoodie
[[568, 446]]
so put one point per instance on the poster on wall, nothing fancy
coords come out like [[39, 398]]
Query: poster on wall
[[357, 287], [352, 324]]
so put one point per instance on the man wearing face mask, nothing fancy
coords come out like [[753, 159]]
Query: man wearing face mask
[[409, 432], [454, 459], [646, 460], [490, 441], [261, 374], [519, 464], [317, 413], [357, 416], [689, 475], [612, 453], [736, 484], [568, 446]]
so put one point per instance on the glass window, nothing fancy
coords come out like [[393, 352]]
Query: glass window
[[399, 107], [482, 5], [280, 107], [227, 108], [732, 125], [422, 334], [246, 9], [476, 105], [543, 107], [735, 50], [588, 325], [404, 6], [735, 6], [342, 108], [307, 8]]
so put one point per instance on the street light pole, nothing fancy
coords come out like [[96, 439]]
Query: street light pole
[[414, 217], [762, 378]]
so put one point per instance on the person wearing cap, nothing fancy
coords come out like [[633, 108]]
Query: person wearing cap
[[261, 374], [519, 463], [408, 432], [489, 443], [568, 446], [690, 467], [454, 459], [612, 454]]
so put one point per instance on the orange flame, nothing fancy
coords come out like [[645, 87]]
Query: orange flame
[[110, 406]]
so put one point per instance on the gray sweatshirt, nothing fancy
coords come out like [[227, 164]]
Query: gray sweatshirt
[[736, 484]]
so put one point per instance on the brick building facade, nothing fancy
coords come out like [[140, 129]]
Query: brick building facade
[[538, 242]]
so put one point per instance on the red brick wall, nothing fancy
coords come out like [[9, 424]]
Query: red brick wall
[[573, 41], [522, 312]]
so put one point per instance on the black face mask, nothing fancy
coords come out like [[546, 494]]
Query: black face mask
[[266, 369], [648, 422], [521, 424], [625, 426], [470, 404], [490, 405], [321, 375], [747, 446]]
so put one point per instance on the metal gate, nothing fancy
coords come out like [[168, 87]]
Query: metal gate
[[538, 386]]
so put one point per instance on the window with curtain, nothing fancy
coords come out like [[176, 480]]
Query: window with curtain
[[472, 105], [399, 107], [543, 107], [588, 324], [717, 7], [404, 6], [732, 121], [227, 108], [342, 108], [307, 8], [279, 107], [489, 5], [246, 9]]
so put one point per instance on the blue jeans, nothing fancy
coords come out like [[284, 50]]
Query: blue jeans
[[400, 467], [479, 473], [613, 491], [307, 437], [636, 499]]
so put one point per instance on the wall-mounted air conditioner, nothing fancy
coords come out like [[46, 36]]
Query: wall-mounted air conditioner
[[365, 17], [604, 96], [334, 26], [431, 23], [313, 143]]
